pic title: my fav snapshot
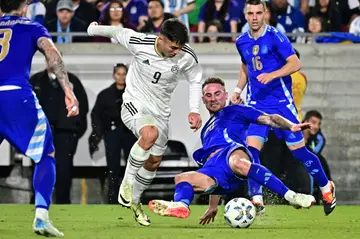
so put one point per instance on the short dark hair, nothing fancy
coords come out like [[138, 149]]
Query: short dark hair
[[312, 113], [159, 1], [213, 80], [175, 31], [120, 65], [255, 2], [7, 6]]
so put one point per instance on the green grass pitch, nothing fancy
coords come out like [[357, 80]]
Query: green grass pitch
[[106, 222]]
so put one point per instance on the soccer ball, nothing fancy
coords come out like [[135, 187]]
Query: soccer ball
[[239, 213]]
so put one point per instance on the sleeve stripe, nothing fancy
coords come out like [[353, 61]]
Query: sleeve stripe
[[191, 52]]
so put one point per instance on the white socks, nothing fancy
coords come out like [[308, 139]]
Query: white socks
[[135, 161], [326, 188], [142, 181], [289, 195], [42, 214]]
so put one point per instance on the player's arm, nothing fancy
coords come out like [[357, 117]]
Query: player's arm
[[193, 74], [286, 51], [292, 65], [121, 34], [211, 212], [56, 63], [277, 121], [242, 81]]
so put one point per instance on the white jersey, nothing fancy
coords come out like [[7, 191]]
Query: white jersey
[[171, 6], [151, 78]]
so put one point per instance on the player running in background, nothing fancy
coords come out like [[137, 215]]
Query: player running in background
[[23, 123], [268, 61], [153, 75], [224, 157]]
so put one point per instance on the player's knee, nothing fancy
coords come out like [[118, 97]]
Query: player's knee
[[240, 165], [149, 135], [152, 163]]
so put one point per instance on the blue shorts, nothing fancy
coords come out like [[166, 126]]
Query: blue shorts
[[289, 112], [24, 125], [218, 168]]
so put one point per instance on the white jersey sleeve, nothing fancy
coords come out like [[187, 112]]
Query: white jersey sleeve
[[124, 36], [193, 74]]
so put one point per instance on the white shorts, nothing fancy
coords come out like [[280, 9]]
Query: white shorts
[[136, 115]]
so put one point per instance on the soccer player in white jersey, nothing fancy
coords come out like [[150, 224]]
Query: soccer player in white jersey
[[180, 9], [153, 75]]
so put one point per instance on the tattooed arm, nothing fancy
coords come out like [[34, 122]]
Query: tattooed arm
[[275, 121], [56, 63]]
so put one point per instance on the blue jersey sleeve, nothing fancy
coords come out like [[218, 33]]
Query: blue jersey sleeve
[[39, 31], [247, 112], [238, 47], [282, 45]]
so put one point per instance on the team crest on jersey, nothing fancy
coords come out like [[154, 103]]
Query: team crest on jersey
[[175, 68], [255, 50]]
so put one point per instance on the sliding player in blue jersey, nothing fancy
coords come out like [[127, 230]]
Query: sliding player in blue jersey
[[225, 158], [23, 123], [268, 60]]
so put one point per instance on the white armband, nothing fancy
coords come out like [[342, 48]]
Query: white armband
[[237, 90]]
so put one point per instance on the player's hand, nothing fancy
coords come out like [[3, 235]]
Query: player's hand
[[94, 24], [236, 99], [72, 104], [209, 216], [300, 127], [176, 13], [194, 121], [265, 78]]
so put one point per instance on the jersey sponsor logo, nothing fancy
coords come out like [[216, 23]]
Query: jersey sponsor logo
[[147, 62]]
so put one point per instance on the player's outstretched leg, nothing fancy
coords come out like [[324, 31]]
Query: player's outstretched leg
[[255, 189], [43, 182], [240, 165], [314, 167], [186, 184], [136, 159]]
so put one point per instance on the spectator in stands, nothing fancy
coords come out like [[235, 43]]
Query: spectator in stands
[[66, 131], [156, 16], [36, 11], [329, 12], [315, 142], [291, 18], [225, 11], [347, 8], [302, 5], [214, 27], [107, 124], [114, 15], [270, 18], [85, 11], [65, 22], [180, 9], [136, 9], [315, 25], [81, 9]]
